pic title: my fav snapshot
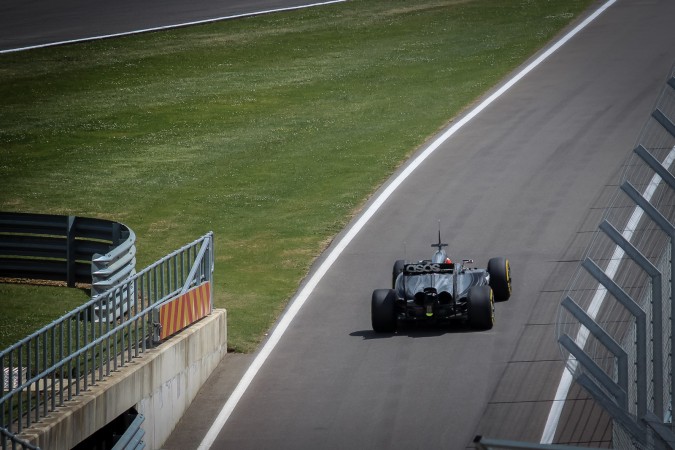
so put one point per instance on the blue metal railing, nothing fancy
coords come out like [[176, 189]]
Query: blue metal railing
[[64, 358], [7, 438], [132, 439]]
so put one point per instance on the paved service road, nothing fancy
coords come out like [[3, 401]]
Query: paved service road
[[25, 23], [519, 180]]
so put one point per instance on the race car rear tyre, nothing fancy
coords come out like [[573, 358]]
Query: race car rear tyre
[[500, 278], [398, 268], [383, 310], [481, 308]]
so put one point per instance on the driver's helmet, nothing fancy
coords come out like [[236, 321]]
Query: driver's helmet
[[448, 261]]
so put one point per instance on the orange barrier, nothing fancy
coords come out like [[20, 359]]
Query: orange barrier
[[185, 310]]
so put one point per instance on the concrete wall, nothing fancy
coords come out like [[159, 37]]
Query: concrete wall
[[160, 384]]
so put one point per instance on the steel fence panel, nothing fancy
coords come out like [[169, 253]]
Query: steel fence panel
[[631, 255], [66, 357]]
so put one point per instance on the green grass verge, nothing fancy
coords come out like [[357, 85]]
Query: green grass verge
[[271, 131]]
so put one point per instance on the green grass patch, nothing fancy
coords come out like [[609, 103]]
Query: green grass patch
[[26, 308], [270, 131]]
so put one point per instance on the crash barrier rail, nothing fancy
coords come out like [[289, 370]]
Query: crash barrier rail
[[132, 438], [66, 248], [615, 322], [58, 362], [485, 443]]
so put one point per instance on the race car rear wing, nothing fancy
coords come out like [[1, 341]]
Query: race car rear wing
[[427, 268]]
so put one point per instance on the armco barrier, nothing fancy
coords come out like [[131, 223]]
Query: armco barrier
[[66, 248], [132, 439]]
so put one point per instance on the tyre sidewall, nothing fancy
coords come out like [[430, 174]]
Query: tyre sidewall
[[481, 308], [500, 278], [383, 311]]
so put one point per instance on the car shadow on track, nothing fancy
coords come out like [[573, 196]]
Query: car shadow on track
[[416, 330]]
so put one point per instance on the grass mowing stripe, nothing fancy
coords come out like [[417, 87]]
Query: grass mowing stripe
[[271, 131]]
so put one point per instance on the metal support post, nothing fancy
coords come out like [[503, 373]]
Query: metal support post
[[605, 339], [641, 329], [71, 252], [669, 229], [657, 309]]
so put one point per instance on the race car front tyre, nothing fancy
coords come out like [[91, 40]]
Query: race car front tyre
[[383, 310], [481, 308], [398, 268], [500, 278]]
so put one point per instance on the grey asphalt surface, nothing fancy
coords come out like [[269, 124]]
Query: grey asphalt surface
[[525, 179], [25, 23], [522, 180]]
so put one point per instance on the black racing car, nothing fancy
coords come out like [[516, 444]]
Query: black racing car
[[439, 290]]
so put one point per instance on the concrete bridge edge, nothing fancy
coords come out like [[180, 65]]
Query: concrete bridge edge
[[160, 384]]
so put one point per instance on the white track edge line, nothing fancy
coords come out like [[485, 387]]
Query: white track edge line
[[170, 27], [554, 414], [302, 296], [598, 299]]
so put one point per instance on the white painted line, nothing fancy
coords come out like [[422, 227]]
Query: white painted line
[[169, 27], [598, 299], [302, 296]]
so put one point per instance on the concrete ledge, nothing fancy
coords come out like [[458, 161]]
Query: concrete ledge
[[160, 384]]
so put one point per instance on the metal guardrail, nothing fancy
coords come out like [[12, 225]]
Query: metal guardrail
[[66, 357], [132, 439], [485, 443], [7, 438], [66, 248], [615, 323]]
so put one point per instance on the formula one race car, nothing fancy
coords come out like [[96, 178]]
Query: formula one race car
[[439, 290]]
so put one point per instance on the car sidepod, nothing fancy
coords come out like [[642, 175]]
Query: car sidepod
[[396, 271]]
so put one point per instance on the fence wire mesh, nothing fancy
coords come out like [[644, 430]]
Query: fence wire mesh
[[643, 276]]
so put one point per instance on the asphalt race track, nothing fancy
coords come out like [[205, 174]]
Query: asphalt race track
[[26, 23], [524, 180], [519, 180]]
